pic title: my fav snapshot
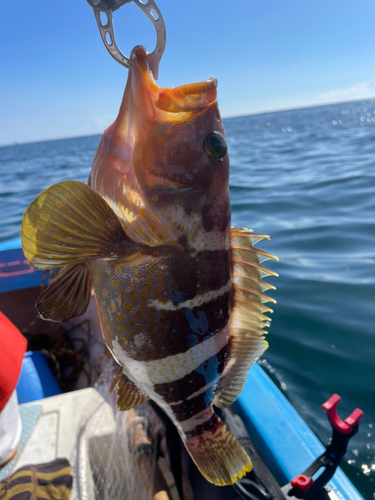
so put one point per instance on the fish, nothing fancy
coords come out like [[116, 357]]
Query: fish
[[180, 293]]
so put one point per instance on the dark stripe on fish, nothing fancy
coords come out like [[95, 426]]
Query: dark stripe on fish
[[198, 274], [210, 425], [216, 216], [175, 332], [204, 374], [208, 263], [190, 408]]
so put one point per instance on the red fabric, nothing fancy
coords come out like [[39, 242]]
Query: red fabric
[[12, 349]]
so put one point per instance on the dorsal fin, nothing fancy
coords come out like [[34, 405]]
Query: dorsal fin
[[247, 320]]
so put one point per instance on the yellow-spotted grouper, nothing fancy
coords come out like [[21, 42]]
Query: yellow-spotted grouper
[[179, 292]]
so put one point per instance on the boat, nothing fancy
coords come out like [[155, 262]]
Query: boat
[[279, 435]]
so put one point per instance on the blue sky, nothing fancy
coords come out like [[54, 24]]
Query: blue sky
[[57, 79]]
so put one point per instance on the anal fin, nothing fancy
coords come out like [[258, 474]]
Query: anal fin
[[67, 295], [128, 394], [247, 319]]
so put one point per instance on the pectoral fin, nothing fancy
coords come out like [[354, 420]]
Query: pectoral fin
[[128, 394], [70, 223], [247, 320], [67, 295]]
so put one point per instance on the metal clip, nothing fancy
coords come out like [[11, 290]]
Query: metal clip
[[149, 7]]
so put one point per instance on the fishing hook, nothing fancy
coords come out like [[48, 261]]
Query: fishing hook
[[103, 10]]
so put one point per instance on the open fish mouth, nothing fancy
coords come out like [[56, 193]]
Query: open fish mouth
[[188, 98]]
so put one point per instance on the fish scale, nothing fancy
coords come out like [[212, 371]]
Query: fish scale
[[132, 301]]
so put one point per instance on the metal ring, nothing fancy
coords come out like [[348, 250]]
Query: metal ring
[[108, 35]]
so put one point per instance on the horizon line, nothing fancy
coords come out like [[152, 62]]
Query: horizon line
[[278, 110], [307, 106]]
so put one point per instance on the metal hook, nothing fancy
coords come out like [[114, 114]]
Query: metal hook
[[107, 33]]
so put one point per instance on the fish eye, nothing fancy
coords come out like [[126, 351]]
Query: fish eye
[[216, 145]]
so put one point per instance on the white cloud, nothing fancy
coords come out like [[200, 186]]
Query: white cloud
[[364, 90]]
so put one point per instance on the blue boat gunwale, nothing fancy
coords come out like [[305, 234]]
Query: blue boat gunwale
[[13, 244], [281, 436], [15, 272]]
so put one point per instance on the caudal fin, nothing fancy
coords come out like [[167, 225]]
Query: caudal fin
[[218, 455]]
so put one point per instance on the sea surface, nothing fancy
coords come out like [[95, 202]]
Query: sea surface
[[305, 177]]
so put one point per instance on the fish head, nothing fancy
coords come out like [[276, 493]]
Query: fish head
[[163, 165]]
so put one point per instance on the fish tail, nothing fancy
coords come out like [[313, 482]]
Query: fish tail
[[217, 453]]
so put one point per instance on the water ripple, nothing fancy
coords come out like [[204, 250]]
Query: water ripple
[[307, 178]]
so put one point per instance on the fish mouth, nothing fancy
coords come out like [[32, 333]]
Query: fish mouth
[[185, 99], [119, 172]]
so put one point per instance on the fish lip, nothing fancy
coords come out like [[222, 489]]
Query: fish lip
[[187, 98], [191, 89]]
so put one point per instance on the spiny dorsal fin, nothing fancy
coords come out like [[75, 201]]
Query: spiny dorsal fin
[[128, 394], [67, 295], [247, 320], [69, 223]]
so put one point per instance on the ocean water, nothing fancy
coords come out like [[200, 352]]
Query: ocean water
[[306, 177]]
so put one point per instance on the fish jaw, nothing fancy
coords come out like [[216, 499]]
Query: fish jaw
[[151, 165]]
